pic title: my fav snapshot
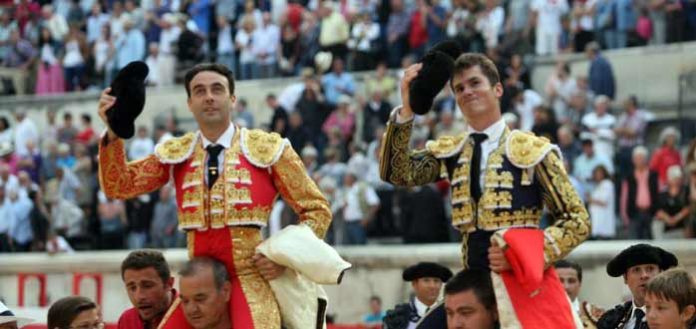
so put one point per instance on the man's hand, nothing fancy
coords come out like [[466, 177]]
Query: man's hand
[[106, 102], [409, 74], [497, 259], [268, 269]]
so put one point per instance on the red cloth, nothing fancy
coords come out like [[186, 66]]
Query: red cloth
[[294, 12], [85, 136], [537, 295]]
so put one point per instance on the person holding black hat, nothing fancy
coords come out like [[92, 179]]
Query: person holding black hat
[[426, 280], [500, 178], [637, 264], [226, 179]]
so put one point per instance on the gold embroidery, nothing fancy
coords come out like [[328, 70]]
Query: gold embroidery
[[525, 150], [169, 312], [461, 174], [301, 193], [446, 146], [261, 148], [496, 200], [177, 149], [460, 194], [498, 180], [463, 215], [121, 180], [257, 291], [246, 216], [241, 175], [401, 167], [495, 160], [491, 220], [571, 223]]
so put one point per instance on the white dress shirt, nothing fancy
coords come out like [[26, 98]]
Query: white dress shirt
[[225, 140], [632, 320], [494, 133]]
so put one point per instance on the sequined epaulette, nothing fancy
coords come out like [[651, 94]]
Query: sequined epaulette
[[177, 149], [526, 150], [261, 148], [446, 146]]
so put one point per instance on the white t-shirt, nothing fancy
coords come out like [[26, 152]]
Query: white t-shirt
[[26, 131], [244, 43], [549, 14], [526, 109], [604, 135], [352, 211], [602, 216]]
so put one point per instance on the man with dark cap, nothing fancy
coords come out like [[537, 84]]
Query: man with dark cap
[[637, 264], [426, 280]]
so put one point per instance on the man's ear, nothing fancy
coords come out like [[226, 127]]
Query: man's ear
[[687, 314], [498, 88], [170, 282], [226, 290]]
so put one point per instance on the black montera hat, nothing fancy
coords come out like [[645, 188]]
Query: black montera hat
[[129, 89], [640, 254], [426, 270], [438, 64]]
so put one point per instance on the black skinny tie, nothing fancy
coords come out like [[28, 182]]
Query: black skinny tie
[[475, 173], [213, 170]]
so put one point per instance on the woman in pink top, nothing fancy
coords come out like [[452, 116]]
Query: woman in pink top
[[341, 118], [667, 155]]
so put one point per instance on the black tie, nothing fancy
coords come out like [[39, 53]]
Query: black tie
[[638, 314], [475, 172], [213, 171]]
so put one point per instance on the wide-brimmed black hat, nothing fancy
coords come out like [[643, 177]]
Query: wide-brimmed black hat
[[129, 89], [438, 64], [426, 270], [640, 254]]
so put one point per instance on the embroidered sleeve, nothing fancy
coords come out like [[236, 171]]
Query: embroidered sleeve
[[571, 224], [402, 167], [300, 192], [121, 180]]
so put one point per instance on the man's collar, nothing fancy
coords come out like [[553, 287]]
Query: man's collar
[[225, 139], [420, 306], [633, 309], [493, 131]]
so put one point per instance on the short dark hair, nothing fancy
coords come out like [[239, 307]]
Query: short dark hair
[[469, 60], [376, 299], [477, 280], [65, 310], [67, 116], [193, 266], [569, 264], [213, 67], [674, 284], [142, 259]]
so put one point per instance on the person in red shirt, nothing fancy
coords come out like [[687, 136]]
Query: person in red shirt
[[666, 156], [87, 132], [150, 289]]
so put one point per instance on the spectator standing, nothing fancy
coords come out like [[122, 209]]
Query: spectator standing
[[68, 132], [17, 62], [103, 52], [375, 114], [290, 51], [381, 81], [559, 88], [626, 20], [570, 147], [599, 125], [49, 78], [130, 46], [168, 39], [56, 24], [602, 205], [342, 118], [243, 116], [666, 155], [583, 23], [601, 74], [524, 101], [658, 16], [397, 32], [25, 132], [76, 51], [6, 219], [587, 161], [95, 21], [264, 44], [66, 219], [6, 132], [418, 33], [199, 11], [163, 230], [360, 204], [363, 36], [373, 320], [136, 13], [547, 17], [243, 41], [112, 216], [436, 22], [297, 132], [225, 44], [279, 120], [672, 214], [153, 63], [490, 23], [20, 229], [639, 196], [630, 131]]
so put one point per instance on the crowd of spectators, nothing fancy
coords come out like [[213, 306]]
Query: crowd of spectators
[[67, 45]]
